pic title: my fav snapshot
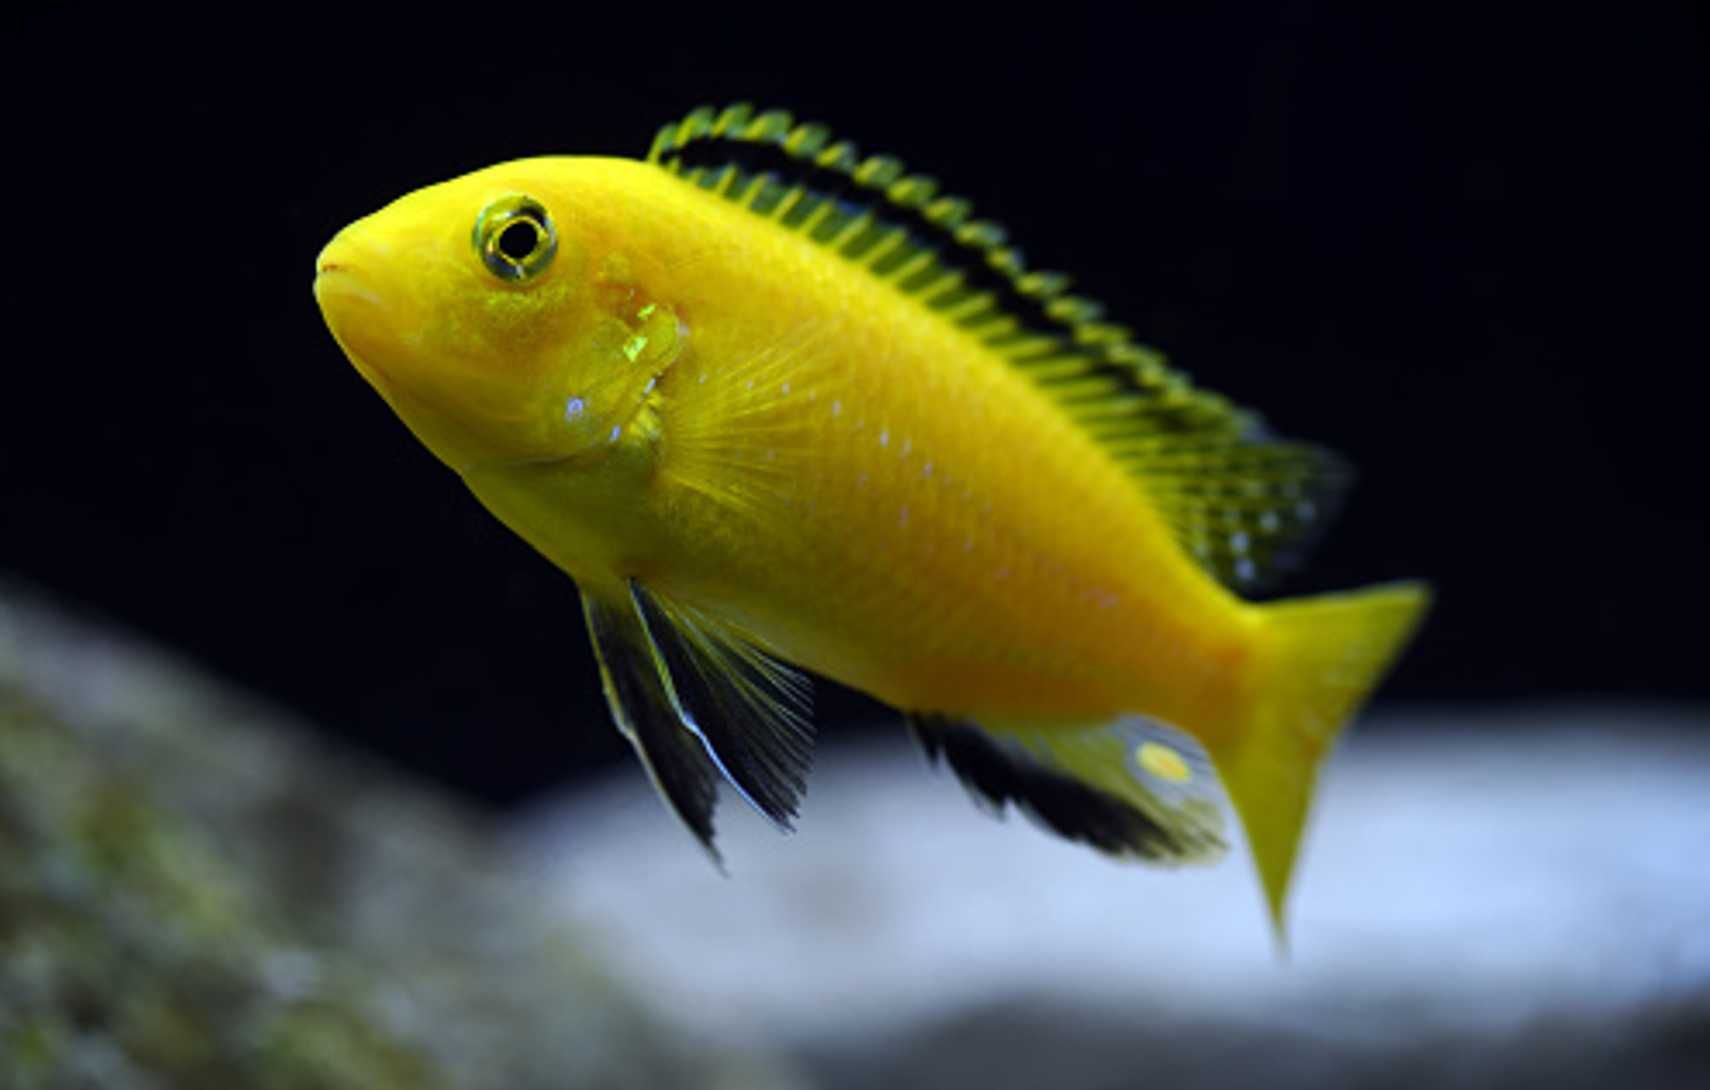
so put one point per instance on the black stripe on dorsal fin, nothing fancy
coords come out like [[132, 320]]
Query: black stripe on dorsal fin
[[895, 224], [1188, 447]]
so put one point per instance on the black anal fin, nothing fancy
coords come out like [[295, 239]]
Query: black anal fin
[[674, 758], [998, 775], [750, 710]]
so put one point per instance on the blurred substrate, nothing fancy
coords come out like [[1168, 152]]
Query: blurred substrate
[[195, 893], [1515, 896]]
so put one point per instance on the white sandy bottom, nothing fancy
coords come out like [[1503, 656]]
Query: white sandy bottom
[[1475, 869]]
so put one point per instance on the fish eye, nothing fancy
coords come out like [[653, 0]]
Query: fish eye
[[515, 238]]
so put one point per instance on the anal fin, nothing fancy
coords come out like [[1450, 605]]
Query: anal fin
[[1128, 789]]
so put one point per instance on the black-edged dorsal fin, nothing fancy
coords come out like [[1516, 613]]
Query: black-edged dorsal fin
[[1246, 507]]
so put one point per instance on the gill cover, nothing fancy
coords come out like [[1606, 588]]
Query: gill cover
[[495, 318], [605, 373]]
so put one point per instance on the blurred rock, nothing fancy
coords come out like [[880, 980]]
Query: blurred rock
[[193, 895], [1513, 897]]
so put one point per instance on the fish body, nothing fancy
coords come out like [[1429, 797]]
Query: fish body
[[831, 421], [877, 450]]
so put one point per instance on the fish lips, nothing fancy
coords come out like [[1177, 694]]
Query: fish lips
[[359, 317]]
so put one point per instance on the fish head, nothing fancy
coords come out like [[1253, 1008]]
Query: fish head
[[495, 313]]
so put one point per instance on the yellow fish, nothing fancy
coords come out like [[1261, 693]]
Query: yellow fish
[[775, 405]]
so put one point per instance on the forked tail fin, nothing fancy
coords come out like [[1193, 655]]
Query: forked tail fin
[[1323, 655]]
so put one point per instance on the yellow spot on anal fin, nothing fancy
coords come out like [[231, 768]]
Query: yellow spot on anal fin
[[634, 346], [1163, 762]]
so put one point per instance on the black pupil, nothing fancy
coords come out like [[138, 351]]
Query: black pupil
[[517, 240]]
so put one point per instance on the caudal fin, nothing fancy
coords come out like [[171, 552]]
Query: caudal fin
[[1323, 655]]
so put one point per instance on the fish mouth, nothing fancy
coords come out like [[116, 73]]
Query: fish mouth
[[335, 265], [357, 316]]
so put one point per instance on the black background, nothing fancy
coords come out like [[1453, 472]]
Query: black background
[[1467, 251]]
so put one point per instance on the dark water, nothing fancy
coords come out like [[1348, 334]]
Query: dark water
[[1464, 252]]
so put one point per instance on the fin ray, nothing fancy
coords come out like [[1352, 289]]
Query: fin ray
[[741, 450], [1325, 654], [642, 711], [1100, 786], [749, 709]]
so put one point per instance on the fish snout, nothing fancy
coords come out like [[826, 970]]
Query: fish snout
[[359, 316]]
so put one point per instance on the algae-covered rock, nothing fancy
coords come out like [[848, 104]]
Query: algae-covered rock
[[194, 894]]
